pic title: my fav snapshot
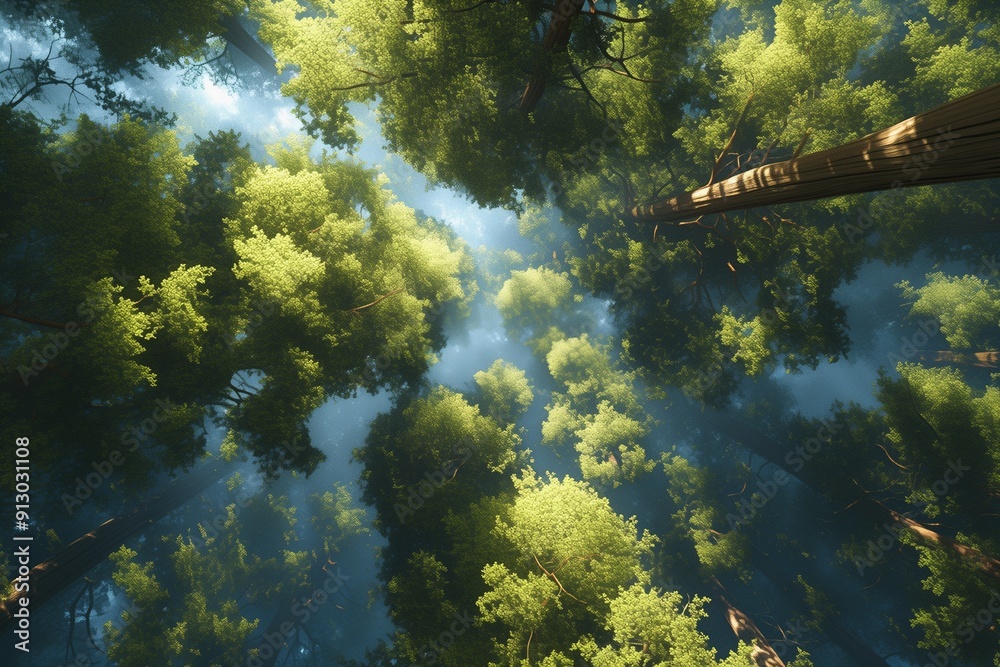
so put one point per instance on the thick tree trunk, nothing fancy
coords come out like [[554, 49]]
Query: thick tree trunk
[[977, 359], [237, 36], [861, 654], [53, 575], [289, 620], [555, 40], [746, 630], [831, 484], [957, 141], [51, 324]]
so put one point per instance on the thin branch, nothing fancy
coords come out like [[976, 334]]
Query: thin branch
[[377, 301], [732, 137]]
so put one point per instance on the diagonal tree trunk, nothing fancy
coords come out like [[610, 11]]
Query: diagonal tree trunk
[[957, 141], [50, 577], [830, 483], [237, 36], [860, 652], [989, 359], [746, 630], [556, 39]]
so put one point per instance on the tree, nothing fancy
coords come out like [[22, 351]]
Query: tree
[[716, 298], [572, 553], [448, 77], [946, 144], [599, 412], [430, 455], [193, 610], [652, 628], [162, 291], [538, 307], [967, 307], [506, 392]]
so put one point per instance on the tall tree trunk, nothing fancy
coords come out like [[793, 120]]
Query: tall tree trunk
[[285, 616], [236, 35], [556, 39], [977, 359], [746, 630], [51, 324], [828, 482], [957, 141], [53, 575], [860, 652]]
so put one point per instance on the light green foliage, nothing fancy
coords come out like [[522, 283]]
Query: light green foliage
[[967, 307], [748, 339], [955, 50], [949, 617], [720, 547], [278, 272], [180, 305], [143, 633], [796, 79], [955, 70], [533, 303], [506, 392], [658, 629], [598, 412], [114, 341], [609, 447], [802, 659], [570, 554], [444, 75]]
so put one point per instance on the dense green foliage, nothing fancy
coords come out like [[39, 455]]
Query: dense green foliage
[[171, 304]]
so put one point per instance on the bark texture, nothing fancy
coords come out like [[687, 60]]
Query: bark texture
[[957, 141], [746, 630], [556, 39], [836, 485]]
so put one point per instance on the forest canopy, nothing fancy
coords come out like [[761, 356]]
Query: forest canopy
[[500, 332]]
